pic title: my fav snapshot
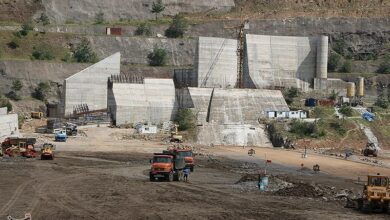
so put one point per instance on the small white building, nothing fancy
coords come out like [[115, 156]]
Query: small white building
[[8, 124], [287, 114], [146, 129]]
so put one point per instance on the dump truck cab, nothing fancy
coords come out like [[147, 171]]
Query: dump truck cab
[[166, 166], [376, 193], [188, 157]]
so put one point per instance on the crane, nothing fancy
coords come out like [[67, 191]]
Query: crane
[[244, 25]]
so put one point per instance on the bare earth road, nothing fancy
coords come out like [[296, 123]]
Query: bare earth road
[[104, 177]]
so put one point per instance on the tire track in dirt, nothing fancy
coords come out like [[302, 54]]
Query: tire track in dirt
[[18, 192]]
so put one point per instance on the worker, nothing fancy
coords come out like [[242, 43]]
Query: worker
[[186, 172]]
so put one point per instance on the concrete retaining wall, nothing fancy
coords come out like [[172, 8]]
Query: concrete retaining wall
[[89, 86], [152, 101], [8, 125]]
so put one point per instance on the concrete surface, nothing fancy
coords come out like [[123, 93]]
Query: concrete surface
[[152, 101], [8, 124], [89, 86]]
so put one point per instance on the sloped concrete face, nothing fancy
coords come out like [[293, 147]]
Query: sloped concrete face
[[152, 101], [280, 61], [231, 116], [8, 124], [89, 86], [216, 62]]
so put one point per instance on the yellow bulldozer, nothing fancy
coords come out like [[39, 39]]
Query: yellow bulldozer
[[376, 194]]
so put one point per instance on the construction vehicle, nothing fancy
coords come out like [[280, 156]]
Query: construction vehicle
[[47, 151], [187, 154], [167, 166], [376, 194], [60, 136], [71, 129], [13, 146], [175, 137], [37, 115], [370, 150]]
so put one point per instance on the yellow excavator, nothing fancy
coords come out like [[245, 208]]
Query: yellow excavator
[[376, 194], [175, 136]]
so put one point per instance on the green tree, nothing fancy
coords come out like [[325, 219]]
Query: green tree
[[157, 57], [347, 66], [83, 53], [17, 85], [185, 119], [99, 18], [177, 28], [44, 19], [334, 62], [40, 92], [333, 96], [143, 29], [157, 8]]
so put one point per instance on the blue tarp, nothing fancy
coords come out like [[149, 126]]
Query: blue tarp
[[368, 116]]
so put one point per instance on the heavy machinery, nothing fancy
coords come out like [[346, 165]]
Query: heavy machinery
[[60, 136], [187, 154], [14, 146], [47, 151], [175, 137], [376, 194], [370, 150], [167, 166], [71, 129], [37, 115]]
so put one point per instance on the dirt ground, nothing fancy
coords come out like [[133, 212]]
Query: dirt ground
[[101, 176]]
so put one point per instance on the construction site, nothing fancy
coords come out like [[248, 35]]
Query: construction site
[[195, 109]]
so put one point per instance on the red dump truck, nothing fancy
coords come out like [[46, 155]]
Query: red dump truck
[[167, 166], [188, 157], [14, 146]]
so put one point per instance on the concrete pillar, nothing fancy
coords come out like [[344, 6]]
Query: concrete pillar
[[322, 57]]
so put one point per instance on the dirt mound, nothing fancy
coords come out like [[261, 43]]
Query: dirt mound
[[19, 10], [300, 190]]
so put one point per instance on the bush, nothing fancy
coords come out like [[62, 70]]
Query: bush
[[177, 28], [44, 19], [83, 53], [99, 18], [185, 119], [334, 62], [157, 57], [5, 103], [14, 43], [290, 94], [13, 96], [384, 67], [346, 110], [26, 27], [347, 66], [338, 127], [42, 53], [143, 30], [305, 129], [17, 85], [382, 102], [40, 91]]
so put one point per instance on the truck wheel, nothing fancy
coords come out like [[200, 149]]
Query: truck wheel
[[367, 208], [151, 178], [385, 207], [192, 169]]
